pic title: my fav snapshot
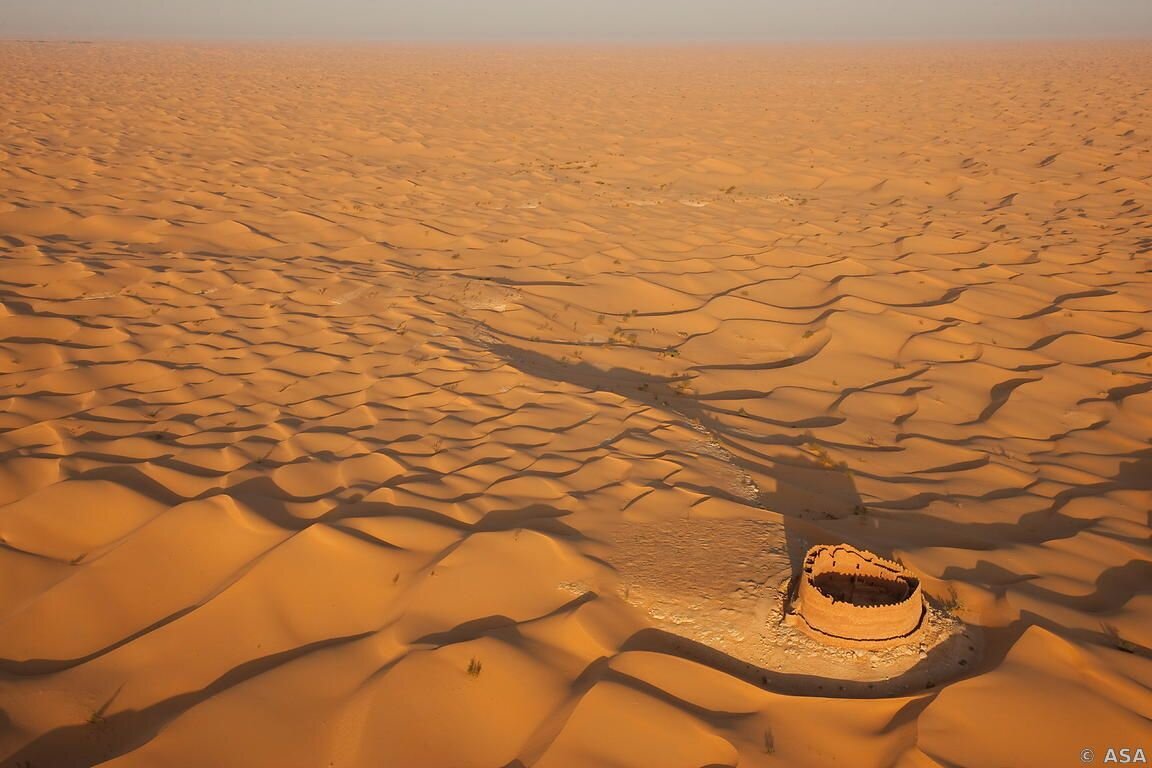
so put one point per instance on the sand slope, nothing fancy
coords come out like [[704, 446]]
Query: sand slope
[[330, 378]]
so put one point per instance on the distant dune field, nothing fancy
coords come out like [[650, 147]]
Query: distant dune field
[[408, 406]]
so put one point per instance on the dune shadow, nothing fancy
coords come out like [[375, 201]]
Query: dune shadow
[[539, 517], [504, 627], [104, 737], [926, 675], [625, 382]]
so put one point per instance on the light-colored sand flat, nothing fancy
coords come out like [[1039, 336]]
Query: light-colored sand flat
[[471, 407]]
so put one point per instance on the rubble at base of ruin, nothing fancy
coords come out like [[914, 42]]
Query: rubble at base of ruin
[[846, 595]]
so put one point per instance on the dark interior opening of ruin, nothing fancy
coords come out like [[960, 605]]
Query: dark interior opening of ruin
[[859, 589]]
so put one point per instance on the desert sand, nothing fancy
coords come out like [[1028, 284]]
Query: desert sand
[[418, 406]]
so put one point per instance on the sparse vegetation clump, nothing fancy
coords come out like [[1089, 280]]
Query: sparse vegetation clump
[[474, 667], [952, 602]]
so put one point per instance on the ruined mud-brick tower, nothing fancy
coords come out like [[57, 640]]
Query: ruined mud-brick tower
[[847, 594]]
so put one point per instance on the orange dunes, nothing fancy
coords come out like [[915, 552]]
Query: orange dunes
[[387, 406]]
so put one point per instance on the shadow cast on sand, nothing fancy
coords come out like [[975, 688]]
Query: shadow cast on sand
[[924, 676], [814, 496], [104, 738], [802, 509]]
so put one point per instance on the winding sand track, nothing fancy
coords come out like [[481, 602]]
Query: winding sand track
[[339, 390]]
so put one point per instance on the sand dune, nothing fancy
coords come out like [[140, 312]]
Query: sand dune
[[430, 407]]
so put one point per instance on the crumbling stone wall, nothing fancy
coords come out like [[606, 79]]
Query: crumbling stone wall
[[849, 594]]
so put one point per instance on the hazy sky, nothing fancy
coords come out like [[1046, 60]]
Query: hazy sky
[[574, 19]]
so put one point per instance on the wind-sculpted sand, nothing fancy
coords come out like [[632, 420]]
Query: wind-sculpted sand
[[399, 406]]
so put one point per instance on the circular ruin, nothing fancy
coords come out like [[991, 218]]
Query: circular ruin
[[724, 592], [848, 595]]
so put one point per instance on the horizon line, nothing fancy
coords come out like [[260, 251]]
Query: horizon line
[[1142, 37]]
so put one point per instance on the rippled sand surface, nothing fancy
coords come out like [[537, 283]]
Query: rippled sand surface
[[340, 390]]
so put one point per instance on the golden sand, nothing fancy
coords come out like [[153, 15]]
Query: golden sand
[[346, 393]]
